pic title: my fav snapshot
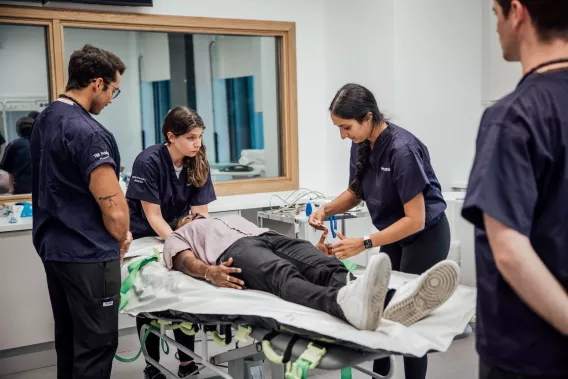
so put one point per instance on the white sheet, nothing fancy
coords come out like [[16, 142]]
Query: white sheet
[[157, 289]]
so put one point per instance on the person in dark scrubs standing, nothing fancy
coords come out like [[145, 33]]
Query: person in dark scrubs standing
[[391, 171], [80, 215], [168, 181], [517, 200], [17, 159]]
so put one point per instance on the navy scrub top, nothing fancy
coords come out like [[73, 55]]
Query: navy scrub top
[[398, 170], [66, 145], [520, 178], [18, 162], [154, 180]]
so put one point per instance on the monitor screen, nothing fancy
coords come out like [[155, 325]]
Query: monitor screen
[[143, 3]]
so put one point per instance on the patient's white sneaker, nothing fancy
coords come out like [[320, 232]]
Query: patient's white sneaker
[[421, 296], [362, 300]]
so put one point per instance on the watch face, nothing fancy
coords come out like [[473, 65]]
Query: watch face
[[368, 244]]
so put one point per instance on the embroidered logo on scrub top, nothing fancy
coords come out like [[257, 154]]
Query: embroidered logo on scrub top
[[101, 155], [108, 303], [138, 179], [385, 168]]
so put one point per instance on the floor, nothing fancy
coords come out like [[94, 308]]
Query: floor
[[459, 362]]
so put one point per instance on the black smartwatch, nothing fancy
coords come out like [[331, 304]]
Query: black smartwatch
[[367, 242]]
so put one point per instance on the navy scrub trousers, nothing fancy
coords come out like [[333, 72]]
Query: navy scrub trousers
[[85, 299], [429, 248]]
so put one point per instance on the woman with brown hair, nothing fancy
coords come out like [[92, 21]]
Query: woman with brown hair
[[168, 181]]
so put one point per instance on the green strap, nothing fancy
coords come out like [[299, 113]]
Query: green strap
[[309, 360], [350, 266], [298, 370], [128, 360], [133, 269], [346, 373]]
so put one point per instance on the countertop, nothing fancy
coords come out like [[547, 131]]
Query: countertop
[[222, 204], [25, 223]]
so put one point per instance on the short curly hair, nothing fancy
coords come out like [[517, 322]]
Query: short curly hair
[[90, 63]]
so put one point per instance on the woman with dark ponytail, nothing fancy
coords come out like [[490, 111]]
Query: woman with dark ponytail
[[391, 171], [168, 181]]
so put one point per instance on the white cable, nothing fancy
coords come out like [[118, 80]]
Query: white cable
[[290, 205]]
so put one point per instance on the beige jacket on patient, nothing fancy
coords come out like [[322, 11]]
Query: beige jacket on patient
[[208, 238]]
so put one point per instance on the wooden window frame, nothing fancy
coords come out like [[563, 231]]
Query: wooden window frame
[[56, 19]]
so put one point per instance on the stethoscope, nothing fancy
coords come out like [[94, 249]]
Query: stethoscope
[[535, 69]]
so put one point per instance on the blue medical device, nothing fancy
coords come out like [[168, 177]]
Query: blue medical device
[[27, 210], [333, 225]]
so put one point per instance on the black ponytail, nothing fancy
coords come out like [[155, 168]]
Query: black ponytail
[[354, 101]]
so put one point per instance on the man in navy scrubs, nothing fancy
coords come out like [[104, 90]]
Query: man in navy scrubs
[[80, 215], [17, 161], [517, 199]]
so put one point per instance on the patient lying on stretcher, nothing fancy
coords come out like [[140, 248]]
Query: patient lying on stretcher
[[235, 253]]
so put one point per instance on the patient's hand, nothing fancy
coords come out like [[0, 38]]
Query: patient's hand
[[221, 275], [322, 245], [125, 245]]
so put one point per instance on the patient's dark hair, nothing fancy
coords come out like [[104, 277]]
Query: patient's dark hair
[[179, 121], [175, 222], [353, 101], [549, 16]]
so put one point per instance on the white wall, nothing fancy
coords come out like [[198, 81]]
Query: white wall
[[438, 75], [359, 48], [23, 62], [122, 117], [422, 60]]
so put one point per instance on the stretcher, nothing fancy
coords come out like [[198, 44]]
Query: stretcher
[[293, 339]]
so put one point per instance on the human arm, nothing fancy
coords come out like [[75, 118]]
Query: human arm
[[104, 187], [411, 183], [340, 204], [10, 183], [220, 275], [321, 245], [201, 209], [508, 158], [7, 165], [412, 222], [156, 219], [527, 275], [92, 154]]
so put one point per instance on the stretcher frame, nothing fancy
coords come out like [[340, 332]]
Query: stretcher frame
[[337, 357]]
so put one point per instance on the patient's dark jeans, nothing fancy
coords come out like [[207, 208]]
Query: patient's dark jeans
[[292, 269]]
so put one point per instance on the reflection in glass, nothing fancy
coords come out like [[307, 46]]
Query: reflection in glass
[[22, 94], [232, 82]]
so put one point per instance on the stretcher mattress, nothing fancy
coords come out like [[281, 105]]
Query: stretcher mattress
[[169, 294]]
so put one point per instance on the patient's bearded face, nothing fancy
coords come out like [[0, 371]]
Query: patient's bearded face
[[187, 219]]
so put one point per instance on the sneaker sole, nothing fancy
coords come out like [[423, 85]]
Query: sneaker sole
[[435, 289], [379, 276]]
